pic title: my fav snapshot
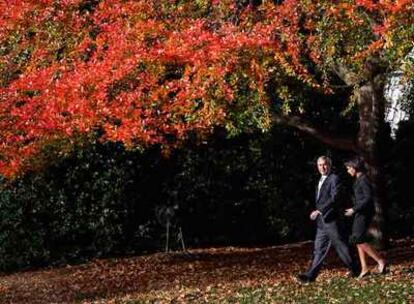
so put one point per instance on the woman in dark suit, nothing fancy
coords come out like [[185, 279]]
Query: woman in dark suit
[[363, 212]]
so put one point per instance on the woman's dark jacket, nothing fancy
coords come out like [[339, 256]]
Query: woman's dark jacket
[[364, 210]]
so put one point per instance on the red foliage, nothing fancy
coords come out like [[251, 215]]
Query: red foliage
[[148, 72]]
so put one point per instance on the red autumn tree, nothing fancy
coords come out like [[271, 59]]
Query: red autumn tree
[[136, 72], [151, 72], [146, 73]]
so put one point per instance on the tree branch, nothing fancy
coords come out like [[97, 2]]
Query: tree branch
[[347, 144], [346, 75]]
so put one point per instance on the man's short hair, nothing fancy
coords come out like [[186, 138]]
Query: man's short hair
[[327, 159]]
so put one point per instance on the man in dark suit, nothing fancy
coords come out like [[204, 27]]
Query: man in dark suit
[[326, 216]]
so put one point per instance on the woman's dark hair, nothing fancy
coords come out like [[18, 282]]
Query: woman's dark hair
[[357, 163]]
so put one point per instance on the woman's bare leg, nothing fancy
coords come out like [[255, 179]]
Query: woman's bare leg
[[373, 253], [363, 261]]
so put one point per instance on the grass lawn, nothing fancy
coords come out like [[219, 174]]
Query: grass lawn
[[214, 275]]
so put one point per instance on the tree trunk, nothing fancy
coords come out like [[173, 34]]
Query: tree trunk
[[371, 103]]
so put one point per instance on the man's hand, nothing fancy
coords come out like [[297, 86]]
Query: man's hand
[[349, 212], [314, 214]]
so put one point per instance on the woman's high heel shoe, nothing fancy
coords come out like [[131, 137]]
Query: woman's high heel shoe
[[363, 274], [382, 268]]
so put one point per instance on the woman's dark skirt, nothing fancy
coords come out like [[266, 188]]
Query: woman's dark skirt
[[360, 227]]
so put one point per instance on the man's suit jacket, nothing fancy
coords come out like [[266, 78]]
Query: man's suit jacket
[[328, 200]]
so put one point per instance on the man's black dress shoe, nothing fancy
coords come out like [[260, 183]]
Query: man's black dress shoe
[[303, 278]]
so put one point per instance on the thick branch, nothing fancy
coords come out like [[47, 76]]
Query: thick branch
[[347, 76], [335, 142]]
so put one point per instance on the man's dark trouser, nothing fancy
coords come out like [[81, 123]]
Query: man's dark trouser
[[327, 234]]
